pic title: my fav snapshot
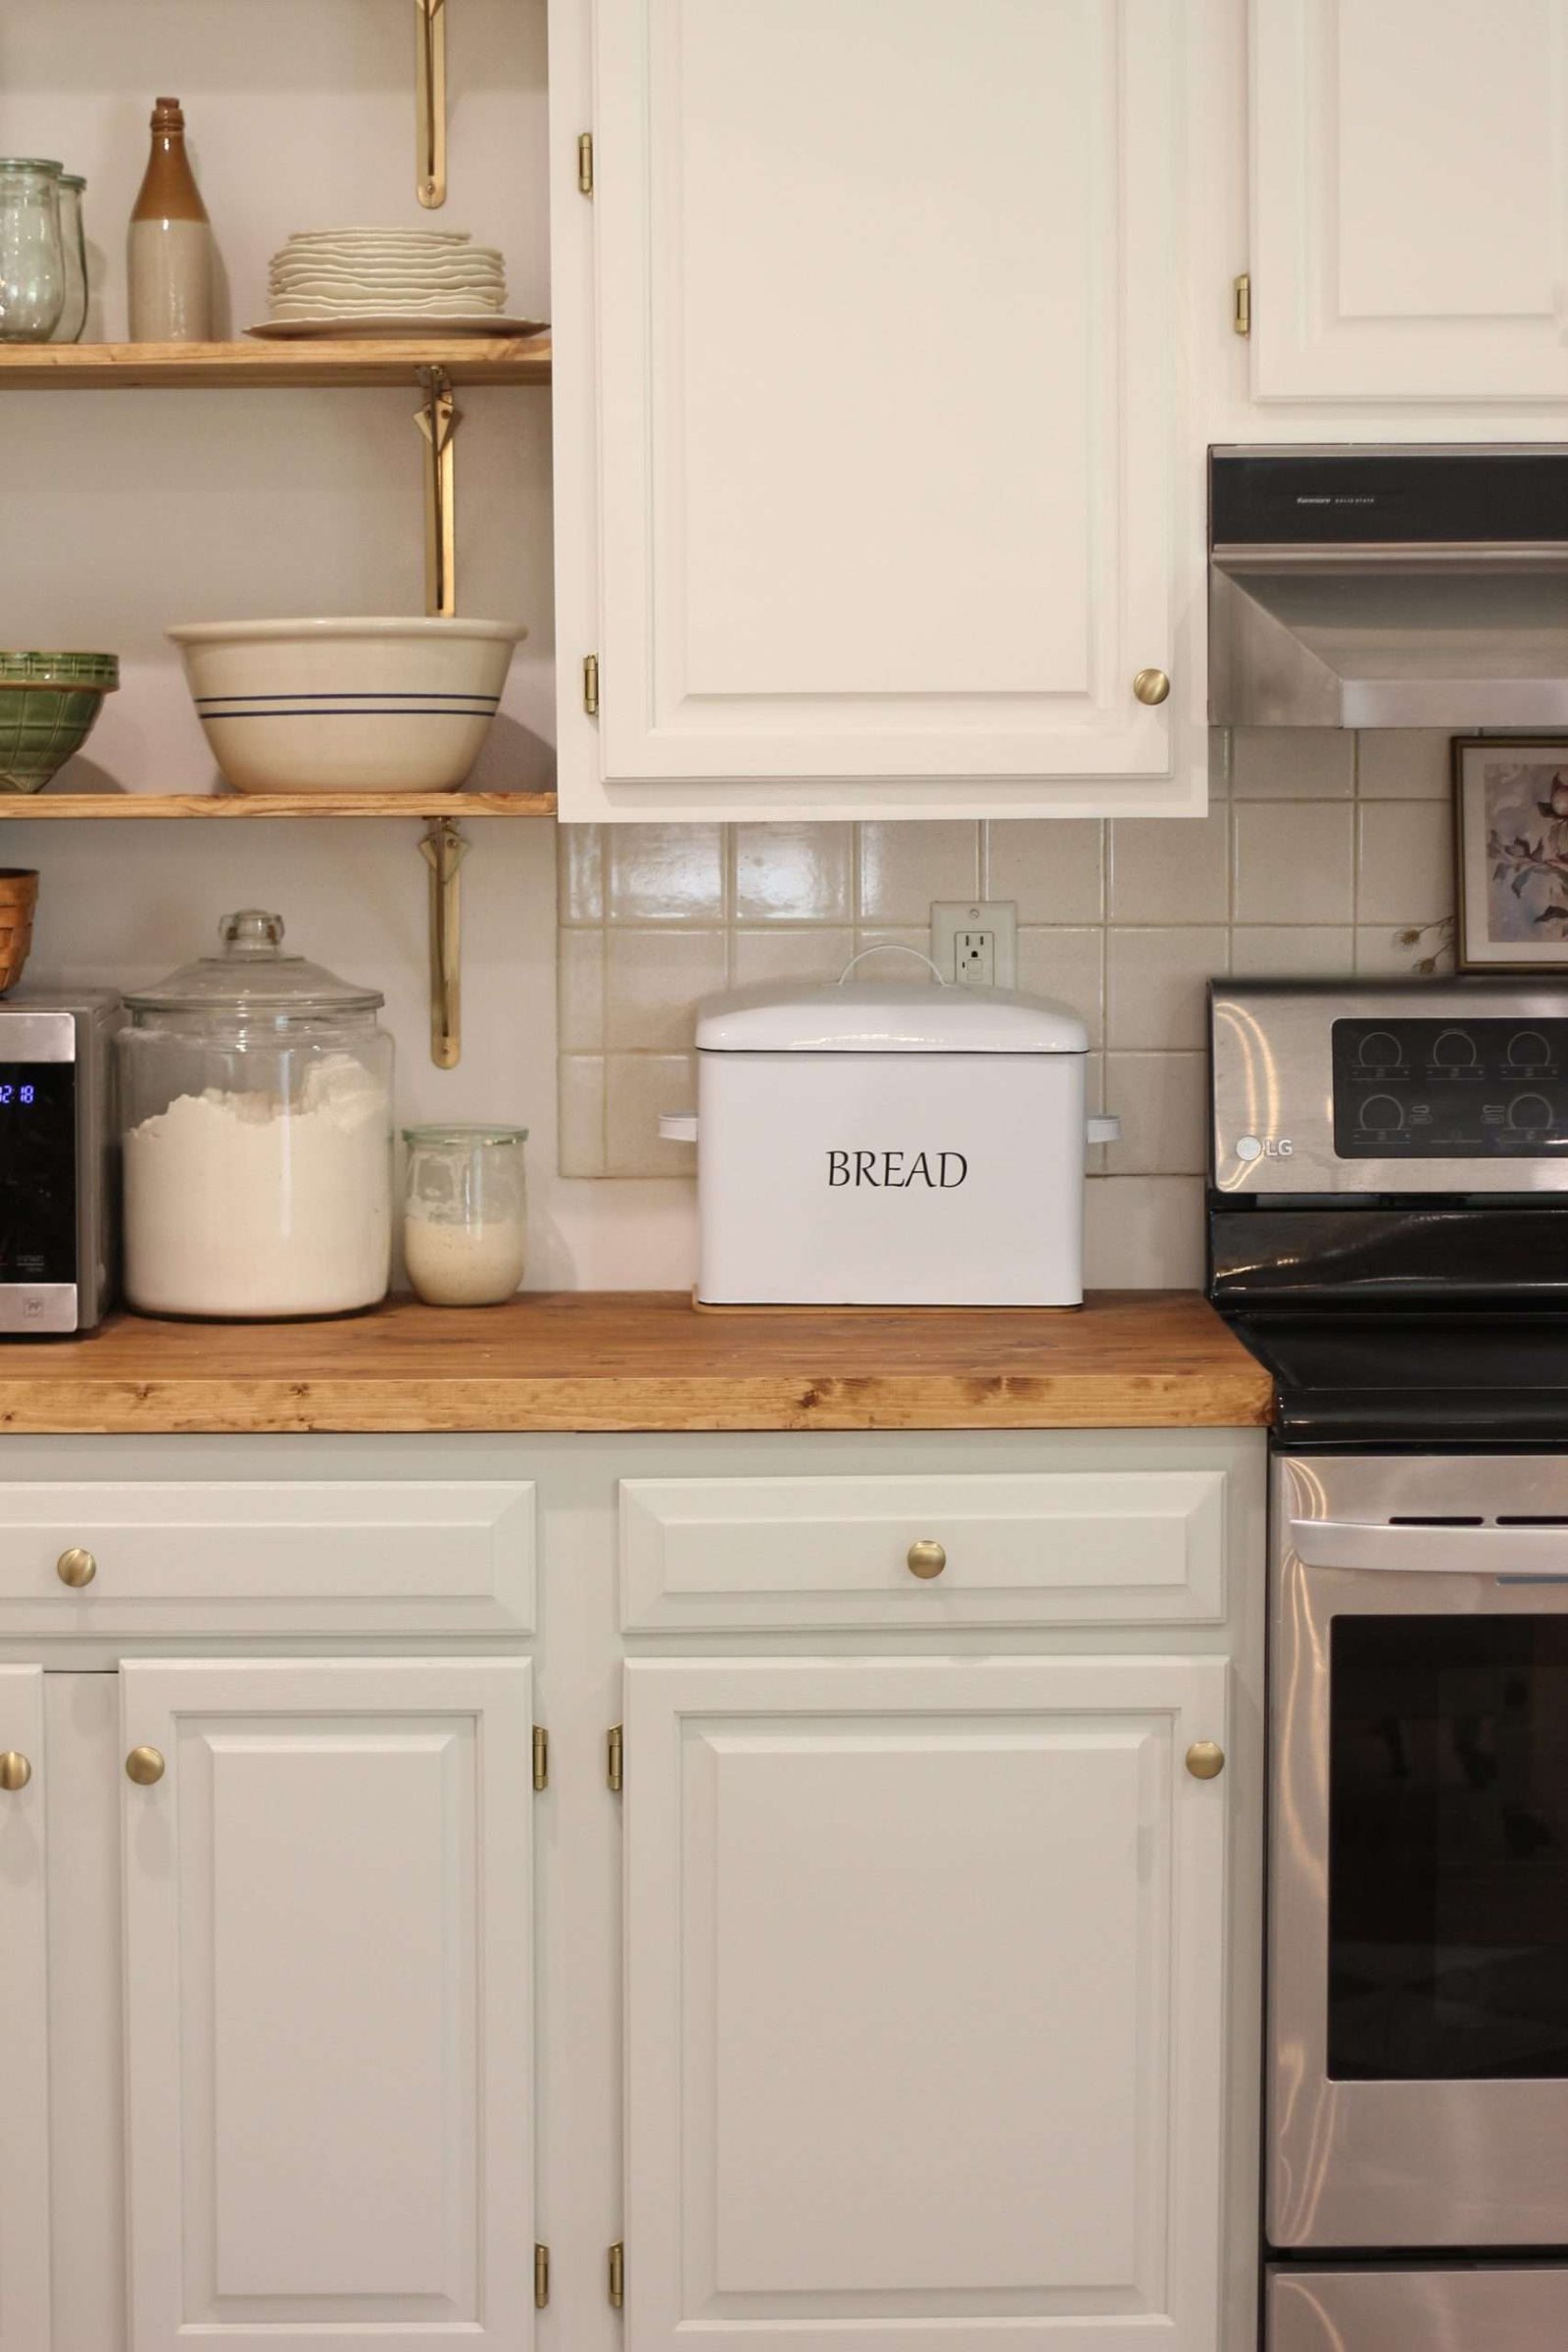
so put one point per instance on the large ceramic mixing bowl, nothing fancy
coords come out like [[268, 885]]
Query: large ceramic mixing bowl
[[346, 705], [49, 705]]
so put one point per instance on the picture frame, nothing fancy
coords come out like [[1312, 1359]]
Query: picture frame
[[1510, 846]]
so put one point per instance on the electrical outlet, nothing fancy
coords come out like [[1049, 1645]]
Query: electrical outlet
[[974, 941]]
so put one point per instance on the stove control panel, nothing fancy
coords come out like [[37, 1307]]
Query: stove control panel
[[1382, 1088], [1452, 1089]]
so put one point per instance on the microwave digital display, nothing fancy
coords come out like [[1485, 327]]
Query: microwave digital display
[[1458, 1089], [37, 1171]]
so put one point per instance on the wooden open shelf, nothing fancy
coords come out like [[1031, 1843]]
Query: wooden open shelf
[[93, 367], [455, 805]]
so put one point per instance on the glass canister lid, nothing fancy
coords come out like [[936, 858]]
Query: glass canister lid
[[252, 975]]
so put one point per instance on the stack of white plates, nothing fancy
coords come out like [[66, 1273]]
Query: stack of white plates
[[386, 279]]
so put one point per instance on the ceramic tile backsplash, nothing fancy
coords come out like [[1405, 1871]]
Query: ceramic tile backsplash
[[1331, 853]]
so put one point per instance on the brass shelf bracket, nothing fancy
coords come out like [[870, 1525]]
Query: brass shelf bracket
[[444, 849], [438, 420], [431, 100]]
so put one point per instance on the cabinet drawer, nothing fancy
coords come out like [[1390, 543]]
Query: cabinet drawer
[[1066, 1547], [214, 1558]]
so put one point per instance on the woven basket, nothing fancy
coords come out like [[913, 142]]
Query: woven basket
[[18, 895]]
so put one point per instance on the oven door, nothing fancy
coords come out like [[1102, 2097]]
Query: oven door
[[1418, 1907]]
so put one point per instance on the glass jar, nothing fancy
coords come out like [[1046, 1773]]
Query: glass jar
[[73, 248], [256, 1102], [464, 1214], [32, 262]]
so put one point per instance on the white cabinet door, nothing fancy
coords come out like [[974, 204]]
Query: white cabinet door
[[924, 1983], [24, 2023], [1409, 199], [872, 330], [328, 2004]]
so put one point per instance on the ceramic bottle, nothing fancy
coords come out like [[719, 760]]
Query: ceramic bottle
[[169, 250]]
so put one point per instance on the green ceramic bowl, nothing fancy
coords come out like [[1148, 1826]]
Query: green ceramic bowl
[[48, 706]]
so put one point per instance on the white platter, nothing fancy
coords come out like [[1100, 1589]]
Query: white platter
[[428, 327]]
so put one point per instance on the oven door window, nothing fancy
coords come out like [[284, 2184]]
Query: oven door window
[[1448, 1848]]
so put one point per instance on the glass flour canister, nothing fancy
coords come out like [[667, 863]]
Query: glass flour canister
[[464, 1214], [256, 1105]]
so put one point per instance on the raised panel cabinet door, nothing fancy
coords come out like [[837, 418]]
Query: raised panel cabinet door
[[886, 311], [328, 2003], [24, 2319], [1410, 177], [924, 1998]]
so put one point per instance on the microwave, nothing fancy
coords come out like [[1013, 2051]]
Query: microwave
[[59, 1161]]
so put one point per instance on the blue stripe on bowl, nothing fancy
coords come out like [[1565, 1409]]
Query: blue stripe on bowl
[[447, 710]]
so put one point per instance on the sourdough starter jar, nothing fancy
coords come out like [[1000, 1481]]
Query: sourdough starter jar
[[256, 1100], [464, 1214]]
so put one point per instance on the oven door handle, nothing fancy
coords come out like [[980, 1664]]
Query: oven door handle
[[1424, 1550]]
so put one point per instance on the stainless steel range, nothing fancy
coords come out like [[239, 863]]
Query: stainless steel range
[[1389, 1230]]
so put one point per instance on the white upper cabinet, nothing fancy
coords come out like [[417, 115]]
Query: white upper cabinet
[[873, 493], [1409, 236], [924, 1991], [327, 1958]]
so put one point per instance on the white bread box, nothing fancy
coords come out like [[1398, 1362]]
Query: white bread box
[[886, 1145]]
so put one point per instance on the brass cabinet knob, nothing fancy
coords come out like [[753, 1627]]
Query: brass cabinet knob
[[15, 1770], [1152, 685], [1206, 1759], [926, 1558], [76, 1567], [144, 1765]]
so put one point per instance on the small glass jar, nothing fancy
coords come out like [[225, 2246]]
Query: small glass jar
[[32, 262], [255, 1100], [73, 247], [464, 1214]]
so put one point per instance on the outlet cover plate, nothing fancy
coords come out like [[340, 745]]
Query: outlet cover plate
[[992, 919]]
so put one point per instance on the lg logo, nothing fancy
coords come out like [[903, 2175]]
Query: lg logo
[[1256, 1146]]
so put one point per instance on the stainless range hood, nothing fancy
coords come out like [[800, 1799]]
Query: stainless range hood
[[1417, 587]]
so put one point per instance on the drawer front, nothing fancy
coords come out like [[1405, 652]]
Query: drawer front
[[218, 1557], [1067, 1548]]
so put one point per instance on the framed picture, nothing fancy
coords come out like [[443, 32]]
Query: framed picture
[[1510, 835]]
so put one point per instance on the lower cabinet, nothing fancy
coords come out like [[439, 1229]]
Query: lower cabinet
[[327, 2073], [899, 1951], [25, 2253], [924, 2003]]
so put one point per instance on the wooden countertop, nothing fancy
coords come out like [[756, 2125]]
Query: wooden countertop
[[646, 1360]]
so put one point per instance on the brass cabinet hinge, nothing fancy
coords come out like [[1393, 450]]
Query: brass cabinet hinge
[[1242, 303], [541, 2277], [541, 1756], [590, 684], [585, 162], [617, 2277], [615, 1758]]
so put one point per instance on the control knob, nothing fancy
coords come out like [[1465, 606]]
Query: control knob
[[1380, 1050], [1381, 1114], [1455, 1050], [1532, 1112], [1529, 1050]]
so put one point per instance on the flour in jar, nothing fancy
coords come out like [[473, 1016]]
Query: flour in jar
[[245, 1205]]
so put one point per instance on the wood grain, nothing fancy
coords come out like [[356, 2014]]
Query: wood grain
[[637, 1359], [207, 367], [112, 806]]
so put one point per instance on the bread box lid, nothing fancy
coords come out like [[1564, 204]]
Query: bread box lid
[[879, 1016]]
